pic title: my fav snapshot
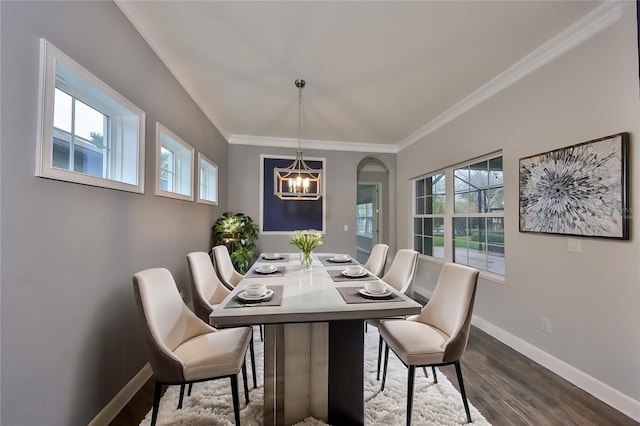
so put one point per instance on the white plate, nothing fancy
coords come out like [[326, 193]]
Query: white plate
[[335, 259], [361, 274], [244, 296], [266, 271], [271, 256], [385, 293]]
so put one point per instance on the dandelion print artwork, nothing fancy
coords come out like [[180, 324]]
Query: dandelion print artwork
[[578, 190]]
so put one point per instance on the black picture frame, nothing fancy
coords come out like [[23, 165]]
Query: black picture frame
[[286, 216], [580, 190]]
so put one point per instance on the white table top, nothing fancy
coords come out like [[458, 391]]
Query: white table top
[[308, 296]]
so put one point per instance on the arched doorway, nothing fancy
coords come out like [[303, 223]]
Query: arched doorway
[[372, 206]]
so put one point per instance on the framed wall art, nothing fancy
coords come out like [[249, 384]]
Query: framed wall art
[[285, 216], [579, 190]]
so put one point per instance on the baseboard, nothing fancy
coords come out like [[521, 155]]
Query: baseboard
[[593, 386], [111, 410]]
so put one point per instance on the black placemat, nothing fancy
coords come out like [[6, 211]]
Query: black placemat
[[281, 258], [326, 261], [336, 275], [351, 295], [253, 274], [275, 300]]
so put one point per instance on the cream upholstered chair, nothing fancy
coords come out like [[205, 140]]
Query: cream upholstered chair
[[439, 335], [377, 259], [400, 276], [402, 270], [208, 292], [182, 348], [224, 267]]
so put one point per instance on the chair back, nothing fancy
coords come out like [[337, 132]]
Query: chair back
[[402, 270], [451, 306], [167, 321], [377, 259], [207, 288], [224, 267]]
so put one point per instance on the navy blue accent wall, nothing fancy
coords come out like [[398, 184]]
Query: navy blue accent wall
[[288, 215]]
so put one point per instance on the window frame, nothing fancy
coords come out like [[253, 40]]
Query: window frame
[[367, 219], [126, 124], [185, 154], [200, 199], [449, 215]]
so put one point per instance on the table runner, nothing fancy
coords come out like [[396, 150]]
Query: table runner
[[351, 295], [279, 273], [327, 262], [336, 275], [276, 299]]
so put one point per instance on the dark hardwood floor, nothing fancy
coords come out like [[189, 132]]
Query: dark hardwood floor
[[508, 388]]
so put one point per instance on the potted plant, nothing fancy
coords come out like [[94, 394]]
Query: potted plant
[[239, 233]]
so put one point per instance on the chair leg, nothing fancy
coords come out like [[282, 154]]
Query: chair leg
[[156, 403], [380, 344], [234, 395], [261, 334], [411, 374], [462, 392], [190, 387], [181, 396], [425, 372], [435, 376], [386, 361], [244, 381], [252, 354]]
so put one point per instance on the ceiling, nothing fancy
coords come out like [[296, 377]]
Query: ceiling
[[377, 73]]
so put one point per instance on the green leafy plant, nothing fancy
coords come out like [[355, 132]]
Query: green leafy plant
[[239, 233]]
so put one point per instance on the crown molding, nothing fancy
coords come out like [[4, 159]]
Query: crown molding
[[589, 25], [312, 144]]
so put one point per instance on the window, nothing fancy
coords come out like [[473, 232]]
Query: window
[[207, 181], [174, 169], [459, 215], [364, 220], [88, 133]]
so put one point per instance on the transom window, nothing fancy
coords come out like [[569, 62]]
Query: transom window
[[459, 214], [174, 175], [88, 133], [207, 181]]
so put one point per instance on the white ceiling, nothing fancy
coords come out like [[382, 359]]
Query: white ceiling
[[377, 73]]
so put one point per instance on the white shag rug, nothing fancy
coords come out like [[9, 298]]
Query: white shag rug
[[433, 404]]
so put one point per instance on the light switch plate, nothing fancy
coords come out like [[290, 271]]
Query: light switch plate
[[574, 246], [346, 228]]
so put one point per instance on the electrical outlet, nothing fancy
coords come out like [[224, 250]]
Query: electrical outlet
[[546, 325]]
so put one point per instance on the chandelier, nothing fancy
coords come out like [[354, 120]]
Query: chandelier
[[298, 181]]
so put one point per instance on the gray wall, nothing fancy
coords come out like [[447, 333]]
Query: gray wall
[[71, 337], [593, 297], [341, 186]]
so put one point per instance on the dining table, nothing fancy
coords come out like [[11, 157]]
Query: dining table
[[313, 333]]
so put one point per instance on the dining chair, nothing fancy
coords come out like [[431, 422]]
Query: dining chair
[[377, 260], [208, 292], [224, 267], [399, 276], [182, 348], [439, 335]]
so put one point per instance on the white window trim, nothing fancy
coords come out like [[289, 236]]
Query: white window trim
[[203, 158], [449, 215], [49, 56], [160, 130]]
